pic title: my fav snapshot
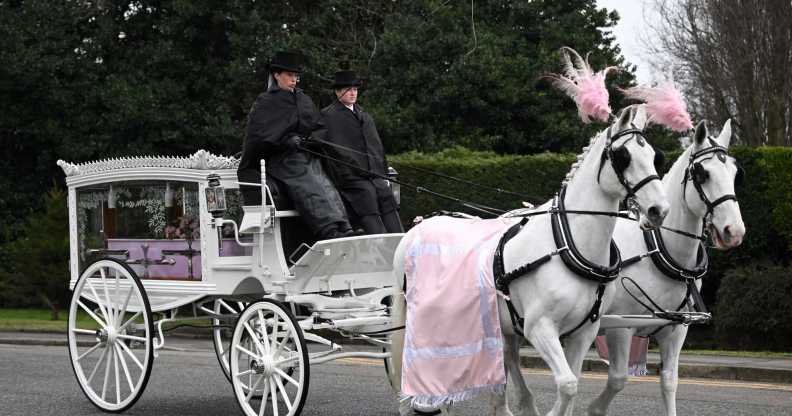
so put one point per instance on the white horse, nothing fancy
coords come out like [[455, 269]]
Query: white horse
[[552, 300], [700, 186]]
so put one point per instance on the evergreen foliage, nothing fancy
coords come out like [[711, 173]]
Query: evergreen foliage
[[36, 272], [85, 80]]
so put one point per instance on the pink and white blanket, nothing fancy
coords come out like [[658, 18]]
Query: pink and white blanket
[[453, 348]]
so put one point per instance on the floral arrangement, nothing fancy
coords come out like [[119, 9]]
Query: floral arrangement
[[186, 227]]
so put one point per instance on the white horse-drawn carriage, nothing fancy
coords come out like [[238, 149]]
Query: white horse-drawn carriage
[[160, 242], [156, 242]]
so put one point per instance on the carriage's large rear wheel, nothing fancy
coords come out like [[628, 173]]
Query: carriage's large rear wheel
[[110, 335], [269, 361], [221, 332]]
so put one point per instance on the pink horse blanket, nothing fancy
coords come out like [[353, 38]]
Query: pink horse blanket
[[453, 348]]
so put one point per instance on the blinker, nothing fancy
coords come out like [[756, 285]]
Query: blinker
[[659, 160], [699, 174], [740, 176], [621, 159]]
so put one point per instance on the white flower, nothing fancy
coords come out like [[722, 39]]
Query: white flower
[[121, 35]]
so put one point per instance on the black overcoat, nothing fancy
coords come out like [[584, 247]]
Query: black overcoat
[[276, 116], [355, 130]]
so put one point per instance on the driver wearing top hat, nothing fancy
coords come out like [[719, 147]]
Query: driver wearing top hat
[[368, 198], [278, 122]]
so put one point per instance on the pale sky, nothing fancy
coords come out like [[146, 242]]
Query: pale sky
[[631, 32]]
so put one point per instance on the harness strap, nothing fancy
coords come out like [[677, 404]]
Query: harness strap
[[667, 265], [685, 302], [593, 315], [643, 182], [565, 247], [572, 257]]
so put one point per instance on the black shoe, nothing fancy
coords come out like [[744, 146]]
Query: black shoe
[[333, 233], [359, 231]]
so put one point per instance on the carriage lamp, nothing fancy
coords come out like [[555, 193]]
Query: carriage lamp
[[215, 196], [395, 187]]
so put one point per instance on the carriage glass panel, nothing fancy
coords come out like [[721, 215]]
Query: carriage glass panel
[[152, 225]]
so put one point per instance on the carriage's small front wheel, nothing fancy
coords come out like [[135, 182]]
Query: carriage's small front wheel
[[110, 335], [269, 361]]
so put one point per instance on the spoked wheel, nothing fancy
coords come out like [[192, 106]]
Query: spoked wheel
[[269, 361], [110, 335], [221, 336]]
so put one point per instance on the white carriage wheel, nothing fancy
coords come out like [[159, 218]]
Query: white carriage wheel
[[220, 335], [269, 359], [112, 338]]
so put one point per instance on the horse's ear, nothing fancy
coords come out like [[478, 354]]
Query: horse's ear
[[701, 133], [639, 120], [625, 118], [726, 133]]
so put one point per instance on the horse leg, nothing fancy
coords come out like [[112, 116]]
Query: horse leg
[[670, 340], [519, 398], [618, 357], [522, 401], [575, 350], [544, 337]]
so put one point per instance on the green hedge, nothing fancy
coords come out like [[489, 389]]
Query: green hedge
[[536, 177], [765, 201], [754, 308]]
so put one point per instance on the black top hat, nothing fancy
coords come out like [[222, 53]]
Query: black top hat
[[287, 61], [346, 78]]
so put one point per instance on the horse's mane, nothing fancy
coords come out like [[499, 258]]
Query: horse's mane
[[579, 160]]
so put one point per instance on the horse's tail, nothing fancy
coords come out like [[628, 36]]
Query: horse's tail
[[398, 316]]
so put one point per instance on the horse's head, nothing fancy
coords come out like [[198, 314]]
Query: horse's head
[[628, 167], [709, 183]]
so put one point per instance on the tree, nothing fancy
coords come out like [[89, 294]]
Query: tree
[[468, 73], [86, 80], [37, 272], [733, 58]]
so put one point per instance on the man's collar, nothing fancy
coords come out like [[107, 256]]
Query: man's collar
[[275, 88]]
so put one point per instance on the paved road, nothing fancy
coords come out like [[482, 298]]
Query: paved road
[[38, 380]]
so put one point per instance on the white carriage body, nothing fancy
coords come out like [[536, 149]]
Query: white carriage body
[[347, 264]]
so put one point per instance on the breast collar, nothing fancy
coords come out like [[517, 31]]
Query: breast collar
[[667, 265], [569, 253]]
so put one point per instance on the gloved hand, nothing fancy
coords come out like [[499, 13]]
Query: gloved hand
[[293, 143], [310, 144]]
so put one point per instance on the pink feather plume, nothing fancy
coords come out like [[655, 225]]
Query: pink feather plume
[[585, 86], [664, 105]]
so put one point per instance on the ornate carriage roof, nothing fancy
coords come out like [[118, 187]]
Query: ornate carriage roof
[[200, 160]]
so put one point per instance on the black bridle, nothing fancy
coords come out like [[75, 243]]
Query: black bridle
[[620, 160], [696, 173]]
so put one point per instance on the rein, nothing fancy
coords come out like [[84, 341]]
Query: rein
[[433, 173], [418, 189]]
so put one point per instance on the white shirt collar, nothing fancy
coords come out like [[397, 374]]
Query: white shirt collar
[[351, 107]]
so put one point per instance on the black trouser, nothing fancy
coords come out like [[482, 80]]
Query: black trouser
[[370, 204]]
